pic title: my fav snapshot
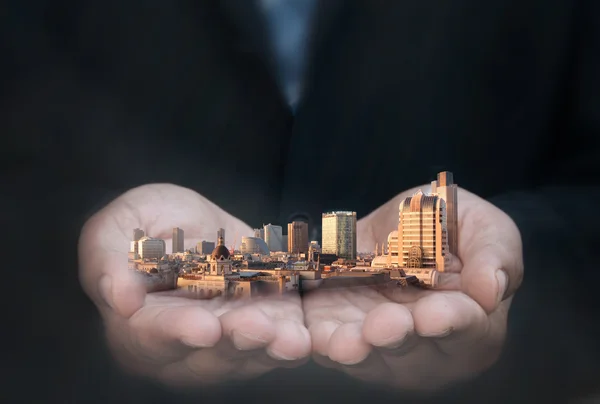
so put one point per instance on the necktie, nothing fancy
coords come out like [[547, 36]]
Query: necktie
[[288, 23]]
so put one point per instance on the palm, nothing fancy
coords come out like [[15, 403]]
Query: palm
[[169, 337], [419, 339]]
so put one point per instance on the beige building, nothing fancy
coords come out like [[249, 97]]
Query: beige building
[[339, 234], [427, 231], [297, 240], [151, 248]]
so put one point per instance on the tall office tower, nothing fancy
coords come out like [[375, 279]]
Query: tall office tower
[[339, 234], [297, 239], [284, 243], [448, 191], [138, 234], [422, 234], [221, 234], [151, 248], [259, 233], [274, 237], [206, 247], [177, 240]]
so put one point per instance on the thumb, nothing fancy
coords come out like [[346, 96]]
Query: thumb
[[103, 271], [492, 263]]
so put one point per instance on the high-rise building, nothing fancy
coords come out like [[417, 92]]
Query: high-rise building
[[205, 247], [177, 240], [274, 237], [259, 233], [297, 239], [221, 234], [339, 234], [138, 234], [422, 235], [284, 243], [151, 248], [446, 189]]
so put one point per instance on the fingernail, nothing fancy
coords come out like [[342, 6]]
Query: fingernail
[[105, 289], [502, 285], [243, 341]]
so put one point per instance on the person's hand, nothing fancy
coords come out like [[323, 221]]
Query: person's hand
[[172, 338], [418, 339]]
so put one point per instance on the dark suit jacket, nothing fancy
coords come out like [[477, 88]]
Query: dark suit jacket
[[102, 96]]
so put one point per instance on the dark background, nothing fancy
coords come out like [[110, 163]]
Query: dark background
[[102, 96]]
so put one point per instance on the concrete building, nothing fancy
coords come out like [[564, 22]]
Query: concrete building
[[254, 245], [177, 240], [423, 239], [137, 235], [259, 233], [339, 234], [205, 247], [221, 234], [151, 248], [446, 189], [297, 240], [273, 237], [284, 243]]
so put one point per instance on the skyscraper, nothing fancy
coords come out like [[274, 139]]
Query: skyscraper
[[448, 191], [138, 234], [339, 234], [221, 234], [177, 240], [259, 233], [422, 235], [297, 240], [274, 237]]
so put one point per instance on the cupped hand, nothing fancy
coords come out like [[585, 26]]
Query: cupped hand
[[418, 339], [169, 337]]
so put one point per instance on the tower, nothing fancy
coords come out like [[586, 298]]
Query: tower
[[448, 191], [177, 240], [220, 262]]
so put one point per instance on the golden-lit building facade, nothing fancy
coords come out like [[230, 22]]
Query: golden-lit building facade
[[297, 240], [422, 237]]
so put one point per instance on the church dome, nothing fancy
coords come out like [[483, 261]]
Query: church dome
[[220, 251]]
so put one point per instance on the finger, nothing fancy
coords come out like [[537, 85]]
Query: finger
[[157, 335], [389, 325], [292, 341], [454, 264], [103, 271], [455, 321], [205, 367], [347, 345], [320, 334], [248, 327], [492, 264]]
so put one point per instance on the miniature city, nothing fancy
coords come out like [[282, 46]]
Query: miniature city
[[270, 262]]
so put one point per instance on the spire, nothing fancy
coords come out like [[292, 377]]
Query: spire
[[220, 241]]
